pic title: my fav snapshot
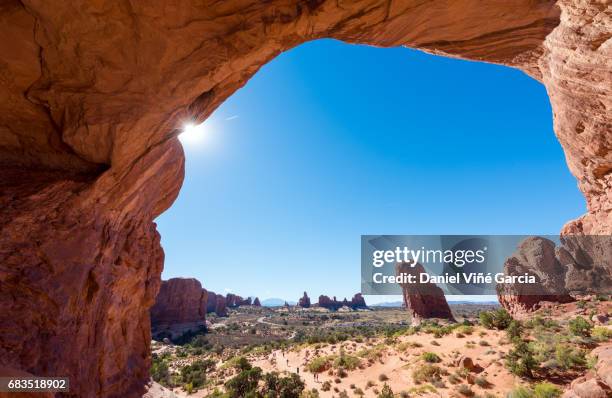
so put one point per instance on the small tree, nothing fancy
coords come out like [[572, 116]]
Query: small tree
[[580, 327], [520, 360], [244, 384]]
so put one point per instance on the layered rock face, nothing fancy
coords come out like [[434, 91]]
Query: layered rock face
[[534, 256], [579, 265], [422, 300], [180, 307], [333, 304], [92, 97], [304, 301]]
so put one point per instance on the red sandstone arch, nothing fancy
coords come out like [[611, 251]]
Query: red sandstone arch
[[91, 94]]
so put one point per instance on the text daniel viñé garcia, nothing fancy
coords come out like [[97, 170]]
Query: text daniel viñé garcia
[[459, 258]]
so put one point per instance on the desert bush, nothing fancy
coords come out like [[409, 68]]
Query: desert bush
[[539, 390], [465, 390], [319, 364], [498, 319], [287, 387], [244, 384], [546, 390], [482, 381], [382, 377], [580, 327], [430, 357], [520, 360], [514, 330], [310, 394], [386, 392], [343, 394], [465, 329], [454, 379], [483, 343], [194, 375], [520, 392], [601, 333], [159, 370], [568, 357], [326, 386], [427, 373], [359, 392], [435, 343], [346, 361]]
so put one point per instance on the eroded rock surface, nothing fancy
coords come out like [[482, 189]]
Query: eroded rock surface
[[180, 307], [422, 300], [92, 95], [597, 383], [535, 256]]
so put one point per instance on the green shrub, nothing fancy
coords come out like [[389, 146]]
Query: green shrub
[[159, 371], [546, 390], [520, 392], [386, 392], [346, 361], [568, 357], [430, 357], [287, 387], [514, 330], [601, 333], [244, 384], [498, 319], [465, 390], [427, 373], [195, 374], [319, 364], [520, 360], [326, 386], [580, 327]]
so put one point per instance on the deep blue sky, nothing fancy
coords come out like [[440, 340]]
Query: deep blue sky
[[330, 141]]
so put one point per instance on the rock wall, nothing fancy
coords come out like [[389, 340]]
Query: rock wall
[[535, 256], [180, 306], [92, 97]]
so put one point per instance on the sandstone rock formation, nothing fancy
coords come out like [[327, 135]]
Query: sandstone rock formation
[[422, 300], [256, 302], [334, 304], [358, 302], [304, 301], [221, 307], [535, 256], [598, 383], [211, 304], [92, 97], [180, 306]]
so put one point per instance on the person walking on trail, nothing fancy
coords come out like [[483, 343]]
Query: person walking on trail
[[298, 370]]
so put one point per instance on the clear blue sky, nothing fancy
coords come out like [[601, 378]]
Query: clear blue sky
[[330, 141]]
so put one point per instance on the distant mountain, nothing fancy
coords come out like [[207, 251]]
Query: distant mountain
[[275, 302], [388, 304]]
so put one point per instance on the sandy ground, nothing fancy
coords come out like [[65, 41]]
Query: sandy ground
[[395, 364]]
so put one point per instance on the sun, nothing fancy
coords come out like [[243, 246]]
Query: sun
[[193, 133]]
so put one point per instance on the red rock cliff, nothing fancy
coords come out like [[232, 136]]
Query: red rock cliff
[[180, 306], [92, 94]]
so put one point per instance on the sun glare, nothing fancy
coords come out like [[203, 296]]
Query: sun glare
[[192, 133]]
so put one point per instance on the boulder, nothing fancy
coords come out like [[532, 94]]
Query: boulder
[[422, 300]]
